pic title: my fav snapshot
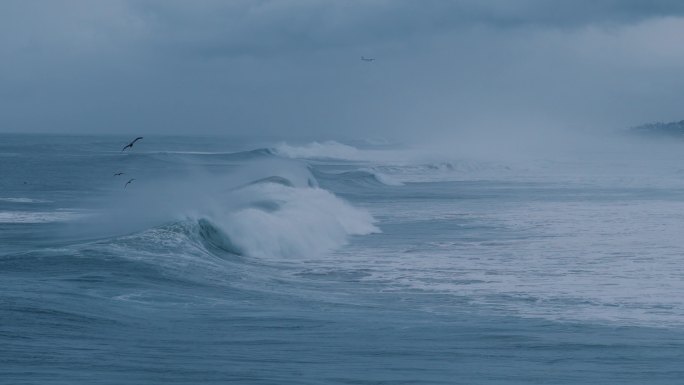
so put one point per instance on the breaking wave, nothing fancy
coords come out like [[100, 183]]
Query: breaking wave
[[38, 217], [252, 214], [23, 200], [285, 221], [321, 150], [361, 178]]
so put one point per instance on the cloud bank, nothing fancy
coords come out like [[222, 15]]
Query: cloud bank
[[292, 68]]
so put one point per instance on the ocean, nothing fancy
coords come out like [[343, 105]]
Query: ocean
[[260, 261]]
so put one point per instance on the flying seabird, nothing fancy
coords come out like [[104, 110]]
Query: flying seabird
[[130, 145], [129, 182], [118, 173], [367, 58]]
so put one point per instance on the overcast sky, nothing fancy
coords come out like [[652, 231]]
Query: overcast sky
[[292, 67]]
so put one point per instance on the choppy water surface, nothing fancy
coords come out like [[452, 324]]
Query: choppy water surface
[[265, 263]]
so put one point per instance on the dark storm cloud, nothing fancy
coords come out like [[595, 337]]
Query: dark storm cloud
[[269, 27], [292, 66]]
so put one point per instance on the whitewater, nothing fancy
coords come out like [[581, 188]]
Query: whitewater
[[237, 260]]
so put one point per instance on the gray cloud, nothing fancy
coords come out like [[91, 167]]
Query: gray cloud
[[292, 67], [268, 27]]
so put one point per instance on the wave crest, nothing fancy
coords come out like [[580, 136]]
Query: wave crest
[[320, 150], [361, 178], [302, 222], [268, 209]]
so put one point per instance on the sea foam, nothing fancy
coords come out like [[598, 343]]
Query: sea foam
[[285, 221]]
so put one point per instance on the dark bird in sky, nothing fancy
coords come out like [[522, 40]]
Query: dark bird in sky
[[130, 145], [367, 58], [118, 173], [129, 182]]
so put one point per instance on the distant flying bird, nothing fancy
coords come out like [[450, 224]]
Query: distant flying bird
[[130, 145], [369, 59], [118, 173], [129, 182]]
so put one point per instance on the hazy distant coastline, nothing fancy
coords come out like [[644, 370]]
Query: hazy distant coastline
[[669, 129]]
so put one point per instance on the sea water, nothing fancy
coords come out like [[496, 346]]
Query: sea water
[[230, 260]]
